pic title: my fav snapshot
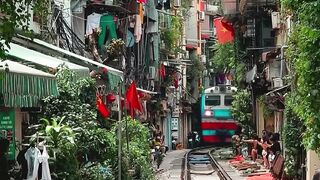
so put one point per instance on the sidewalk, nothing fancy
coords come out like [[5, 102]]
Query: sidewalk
[[171, 166]]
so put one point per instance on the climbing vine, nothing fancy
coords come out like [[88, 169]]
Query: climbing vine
[[304, 54], [292, 135]]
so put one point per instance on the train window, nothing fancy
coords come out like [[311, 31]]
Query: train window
[[228, 100], [213, 100]]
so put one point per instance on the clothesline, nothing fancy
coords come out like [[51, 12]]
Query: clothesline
[[84, 19]]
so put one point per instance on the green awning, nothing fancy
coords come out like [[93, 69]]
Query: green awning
[[22, 86], [114, 82]]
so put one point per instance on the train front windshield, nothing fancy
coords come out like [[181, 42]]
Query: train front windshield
[[228, 100], [213, 100]]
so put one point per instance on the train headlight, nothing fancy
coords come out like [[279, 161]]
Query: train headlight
[[208, 113]]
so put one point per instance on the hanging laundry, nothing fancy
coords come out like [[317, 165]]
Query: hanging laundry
[[108, 30], [93, 22], [137, 28], [141, 12], [32, 157], [45, 165]]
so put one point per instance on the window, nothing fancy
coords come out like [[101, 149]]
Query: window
[[228, 100], [213, 100]]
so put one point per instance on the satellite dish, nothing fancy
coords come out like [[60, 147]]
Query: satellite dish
[[130, 39]]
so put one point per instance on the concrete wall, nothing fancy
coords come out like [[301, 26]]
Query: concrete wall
[[313, 164], [260, 118]]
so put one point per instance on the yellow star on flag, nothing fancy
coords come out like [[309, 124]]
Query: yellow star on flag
[[224, 29]]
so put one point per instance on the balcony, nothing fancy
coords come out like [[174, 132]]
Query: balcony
[[230, 7], [253, 4]]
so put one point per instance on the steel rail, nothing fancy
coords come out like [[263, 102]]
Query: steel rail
[[185, 173], [222, 173]]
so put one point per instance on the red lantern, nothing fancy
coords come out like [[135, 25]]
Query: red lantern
[[111, 98]]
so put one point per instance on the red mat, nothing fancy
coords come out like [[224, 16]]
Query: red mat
[[267, 176]]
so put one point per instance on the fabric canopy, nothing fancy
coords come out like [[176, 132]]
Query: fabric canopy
[[38, 58], [23, 86], [78, 57]]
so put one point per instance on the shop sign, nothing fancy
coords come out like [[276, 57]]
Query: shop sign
[[7, 128]]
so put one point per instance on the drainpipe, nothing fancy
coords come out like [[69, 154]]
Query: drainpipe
[[282, 59]]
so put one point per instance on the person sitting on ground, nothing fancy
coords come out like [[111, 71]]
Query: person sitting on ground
[[254, 141], [236, 142]]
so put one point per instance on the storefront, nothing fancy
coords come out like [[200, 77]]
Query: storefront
[[20, 87]]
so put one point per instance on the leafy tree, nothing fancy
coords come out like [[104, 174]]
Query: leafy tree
[[241, 110], [76, 105], [224, 57], [15, 16]]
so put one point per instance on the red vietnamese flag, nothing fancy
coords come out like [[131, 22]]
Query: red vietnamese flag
[[132, 99], [102, 108], [224, 30]]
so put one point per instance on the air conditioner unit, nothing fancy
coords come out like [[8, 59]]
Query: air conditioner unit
[[201, 15], [152, 72], [275, 18], [203, 58], [277, 82], [177, 3]]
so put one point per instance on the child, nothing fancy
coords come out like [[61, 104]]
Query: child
[[275, 148], [265, 146]]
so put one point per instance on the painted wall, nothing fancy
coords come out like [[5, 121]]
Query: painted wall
[[313, 164]]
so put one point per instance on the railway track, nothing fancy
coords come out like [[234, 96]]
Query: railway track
[[200, 164]]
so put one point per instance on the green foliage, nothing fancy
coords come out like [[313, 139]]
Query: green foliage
[[171, 36], [137, 157], [60, 139], [266, 111], [304, 54], [75, 107], [292, 136], [97, 171], [14, 14], [197, 67], [241, 110], [240, 72], [224, 57], [41, 10]]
